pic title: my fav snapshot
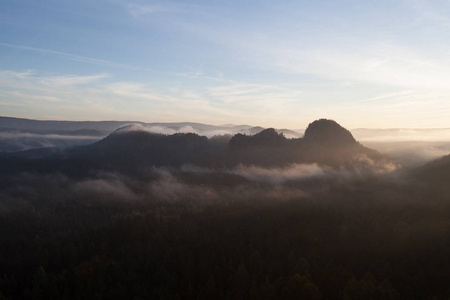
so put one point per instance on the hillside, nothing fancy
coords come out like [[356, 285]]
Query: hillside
[[435, 174]]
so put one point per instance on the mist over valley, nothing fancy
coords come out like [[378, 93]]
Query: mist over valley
[[319, 215]]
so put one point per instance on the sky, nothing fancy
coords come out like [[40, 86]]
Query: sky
[[283, 64]]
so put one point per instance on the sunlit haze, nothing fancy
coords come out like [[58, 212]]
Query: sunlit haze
[[283, 64]]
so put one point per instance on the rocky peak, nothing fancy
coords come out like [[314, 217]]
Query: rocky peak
[[328, 132]]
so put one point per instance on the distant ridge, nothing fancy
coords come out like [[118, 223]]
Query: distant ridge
[[17, 134], [29, 124], [109, 126]]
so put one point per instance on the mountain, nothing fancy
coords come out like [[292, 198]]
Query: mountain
[[141, 148], [325, 142], [132, 149], [322, 132], [328, 133]]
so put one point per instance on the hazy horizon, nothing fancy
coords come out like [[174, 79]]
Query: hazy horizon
[[300, 129]]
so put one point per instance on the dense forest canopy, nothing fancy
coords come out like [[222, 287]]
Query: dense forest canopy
[[139, 215]]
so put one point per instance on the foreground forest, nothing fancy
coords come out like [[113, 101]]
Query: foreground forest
[[325, 219]]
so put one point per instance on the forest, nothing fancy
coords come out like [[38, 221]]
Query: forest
[[138, 215]]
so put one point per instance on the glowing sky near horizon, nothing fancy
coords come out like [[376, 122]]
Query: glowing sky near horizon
[[283, 64]]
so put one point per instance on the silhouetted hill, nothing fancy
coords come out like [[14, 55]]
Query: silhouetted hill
[[266, 148], [435, 174], [266, 138], [325, 142], [328, 133], [141, 149]]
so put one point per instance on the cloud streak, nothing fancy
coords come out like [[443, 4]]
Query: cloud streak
[[72, 79], [74, 57]]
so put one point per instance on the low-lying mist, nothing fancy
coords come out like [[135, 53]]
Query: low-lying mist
[[183, 129], [412, 153], [188, 185], [408, 147], [20, 141]]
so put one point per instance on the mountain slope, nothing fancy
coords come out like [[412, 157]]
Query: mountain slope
[[435, 174]]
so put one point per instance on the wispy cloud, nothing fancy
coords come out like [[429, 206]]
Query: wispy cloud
[[386, 64], [31, 97], [386, 96], [138, 10], [137, 91], [141, 10], [98, 96], [380, 57], [16, 80], [431, 11], [19, 75], [92, 95], [72, 79], [74, 57], [250, 93]]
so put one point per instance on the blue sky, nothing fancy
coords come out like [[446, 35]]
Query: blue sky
[[376, 64]]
